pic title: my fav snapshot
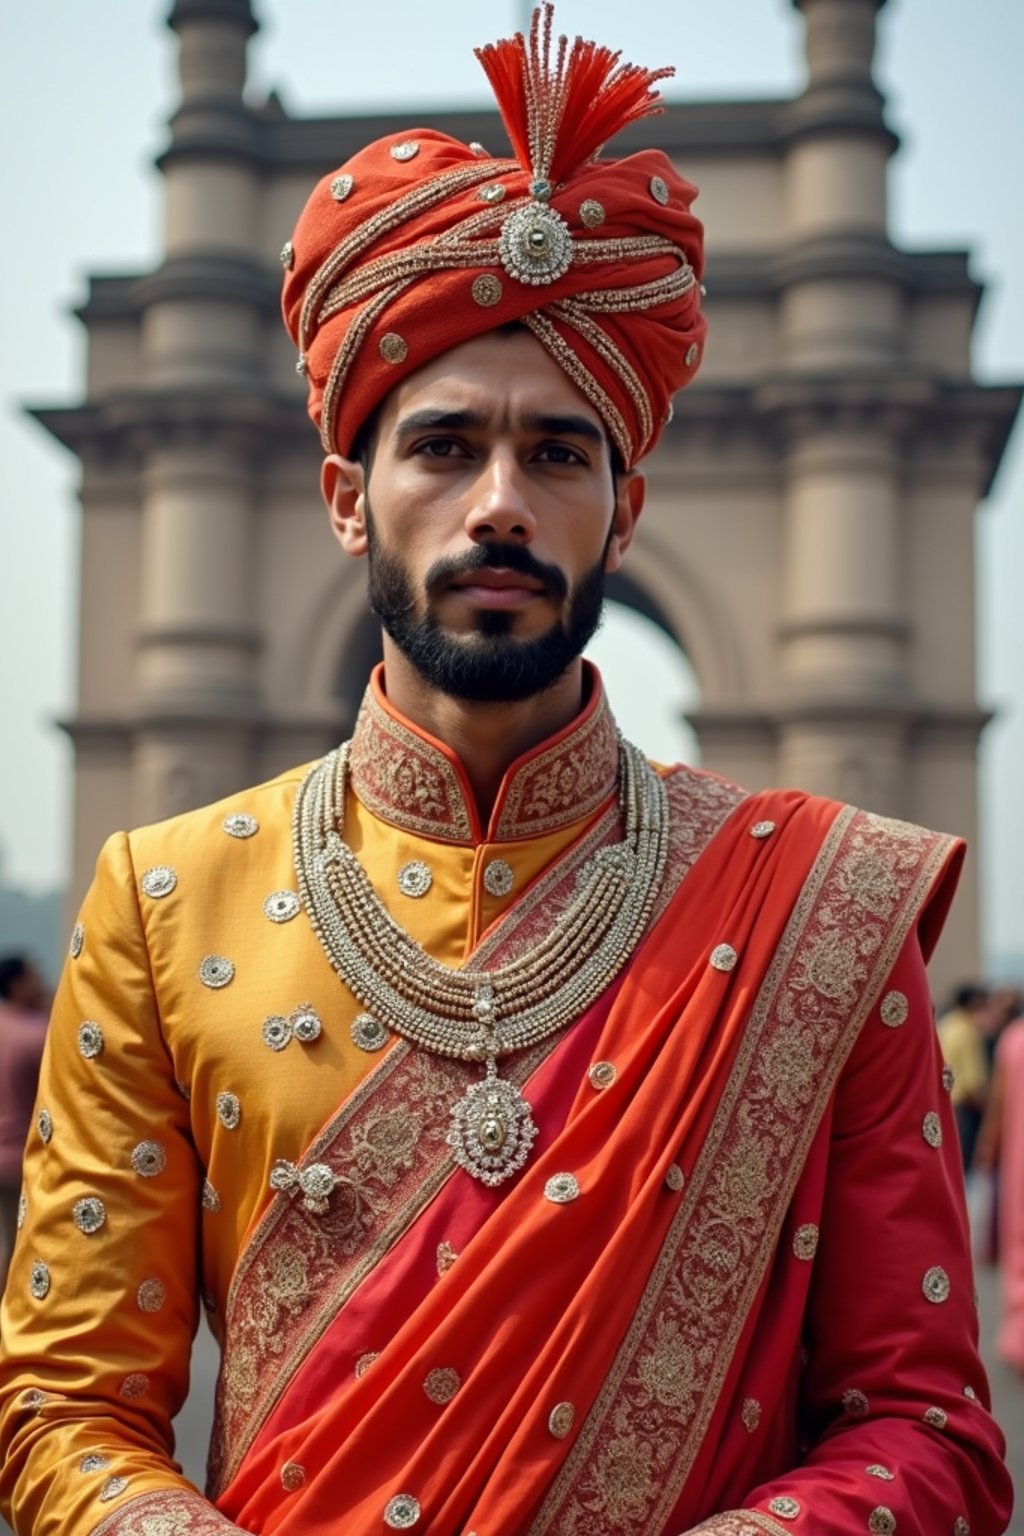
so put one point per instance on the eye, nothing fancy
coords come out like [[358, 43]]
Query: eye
[[440, 448], [561, 453]]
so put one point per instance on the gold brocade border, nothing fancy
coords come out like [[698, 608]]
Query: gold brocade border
[[411, 784], [740, 1522], [567, 359], [638, 1443], [166, 1512], [403, 779], [388, 1151], [565, 783]]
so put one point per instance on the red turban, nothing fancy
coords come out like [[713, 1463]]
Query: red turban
[[419, 243]]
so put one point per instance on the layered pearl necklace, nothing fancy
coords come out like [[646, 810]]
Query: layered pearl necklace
[[481, 1015]]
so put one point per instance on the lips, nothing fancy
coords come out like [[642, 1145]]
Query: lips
[[498, 580]]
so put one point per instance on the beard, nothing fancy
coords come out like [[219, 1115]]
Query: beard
[[489, 665]]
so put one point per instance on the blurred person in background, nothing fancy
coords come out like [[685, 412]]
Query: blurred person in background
[[1005, 1005], [24, 1005], [962, 1030], [1000, 1150]]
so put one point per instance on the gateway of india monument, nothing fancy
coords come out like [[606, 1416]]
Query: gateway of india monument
[[809, 536]]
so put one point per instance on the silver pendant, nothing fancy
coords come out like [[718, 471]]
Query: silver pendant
[[492, 1129]]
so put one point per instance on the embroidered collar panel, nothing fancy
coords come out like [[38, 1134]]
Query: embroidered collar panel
[[415, 782]]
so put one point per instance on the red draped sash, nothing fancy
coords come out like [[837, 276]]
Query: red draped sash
[[466, 1350]]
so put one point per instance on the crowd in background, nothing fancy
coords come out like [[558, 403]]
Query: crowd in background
[[982, 1040]]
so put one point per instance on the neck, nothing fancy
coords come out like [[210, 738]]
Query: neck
[[486, 737]]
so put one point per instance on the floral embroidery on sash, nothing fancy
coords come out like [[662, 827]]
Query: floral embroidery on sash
[[166, 1512], [740, 1522], [387, 1149], [628, 1466], [388, 1153]]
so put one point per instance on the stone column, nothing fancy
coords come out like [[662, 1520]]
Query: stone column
[[843, 723], [843, 632], [197, 698]]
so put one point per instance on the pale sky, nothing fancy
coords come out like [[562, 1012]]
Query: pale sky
[[87, 91]]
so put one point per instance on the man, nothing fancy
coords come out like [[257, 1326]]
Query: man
[[24, 1006], [567, 1139], [963, 1050]]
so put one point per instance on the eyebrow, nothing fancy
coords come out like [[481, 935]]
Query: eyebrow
[[533, 421]]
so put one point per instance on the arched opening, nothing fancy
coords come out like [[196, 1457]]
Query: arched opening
[[650, 682]]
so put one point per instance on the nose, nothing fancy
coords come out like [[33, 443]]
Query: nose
[[500, 505]]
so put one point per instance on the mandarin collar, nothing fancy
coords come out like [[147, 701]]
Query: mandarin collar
[[417, 783]]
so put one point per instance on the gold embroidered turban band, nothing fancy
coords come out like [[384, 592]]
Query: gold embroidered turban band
[[420, 243]]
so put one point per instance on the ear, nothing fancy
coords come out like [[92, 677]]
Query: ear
[[631, 492], [343, 487]]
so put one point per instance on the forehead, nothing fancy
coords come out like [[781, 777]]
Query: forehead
[[503, 376]]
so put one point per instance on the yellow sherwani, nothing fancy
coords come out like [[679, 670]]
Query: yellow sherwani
[[166, 1096]]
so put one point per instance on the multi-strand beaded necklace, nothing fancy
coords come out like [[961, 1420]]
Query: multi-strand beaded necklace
[[481, 1015]]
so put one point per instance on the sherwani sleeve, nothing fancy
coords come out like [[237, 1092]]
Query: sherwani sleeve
[[101, 1305], [894, 1401]]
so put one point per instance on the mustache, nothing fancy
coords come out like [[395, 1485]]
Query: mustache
[[496, 556]]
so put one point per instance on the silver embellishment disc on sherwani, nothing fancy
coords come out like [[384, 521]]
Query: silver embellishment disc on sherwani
[[216, 971], [277, 1031], [282, 906], [240, 825], [479, 1016], [158, 882], [90, 1039], [368, 1034], [89, 1214], [149, 1159], [305, 1024], [415, 879], [499, 877]]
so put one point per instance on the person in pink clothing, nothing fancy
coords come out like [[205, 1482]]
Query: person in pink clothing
[[1001, 1146], [24, 1011]]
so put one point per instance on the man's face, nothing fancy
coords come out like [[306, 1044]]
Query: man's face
[[490, 514]]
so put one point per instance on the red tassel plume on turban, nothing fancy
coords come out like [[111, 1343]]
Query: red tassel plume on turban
[[419, 243]]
